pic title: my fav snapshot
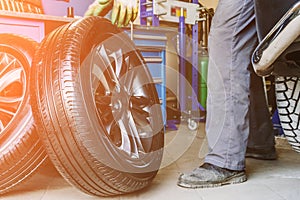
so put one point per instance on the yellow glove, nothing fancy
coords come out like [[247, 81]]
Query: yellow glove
[[124, 11], [99, 8]]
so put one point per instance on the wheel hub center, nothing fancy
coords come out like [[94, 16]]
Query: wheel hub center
[[120, 100]]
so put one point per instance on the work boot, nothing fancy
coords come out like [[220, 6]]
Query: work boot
[[209, 175], [261, 154]]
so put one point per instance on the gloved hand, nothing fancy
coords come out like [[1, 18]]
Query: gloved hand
[[123, 11], [99, 8]]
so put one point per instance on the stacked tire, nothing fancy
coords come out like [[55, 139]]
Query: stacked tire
[[28, 6], [95, 107], [21, 151]]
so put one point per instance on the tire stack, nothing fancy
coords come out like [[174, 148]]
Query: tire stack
[[96, 112], [28, 6]]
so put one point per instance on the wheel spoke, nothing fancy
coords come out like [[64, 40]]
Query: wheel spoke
[[109, 69], [103, 101], [135, 134], [115, 133], [12, 82], [131, 142], [127, 80], [1, 126], [141, 118], [10, 103], [126, 142], [5, 116], [106, 115], [118, 60], [140, 101], [10, 77], [7, 61], [7, 112], [99, 79], [136, 81], [125, 67], [9, 100], [141, 115]]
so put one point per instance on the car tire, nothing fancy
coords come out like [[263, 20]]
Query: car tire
[[97, 108], [21, 151], [288, 103]]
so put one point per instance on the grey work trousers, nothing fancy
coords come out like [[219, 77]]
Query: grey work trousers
[[236, 104]]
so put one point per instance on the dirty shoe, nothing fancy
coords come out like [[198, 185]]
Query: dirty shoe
[[209, 175]]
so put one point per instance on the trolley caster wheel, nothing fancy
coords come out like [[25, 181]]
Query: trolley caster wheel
[[192, 124]]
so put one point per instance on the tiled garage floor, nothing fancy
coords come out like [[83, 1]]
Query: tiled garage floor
[[184, 150]]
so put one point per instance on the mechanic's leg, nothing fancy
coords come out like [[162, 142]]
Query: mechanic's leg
[[261, 142], [232, 39]]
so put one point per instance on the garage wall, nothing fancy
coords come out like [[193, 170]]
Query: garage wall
[[59, 7], [209, 3]]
